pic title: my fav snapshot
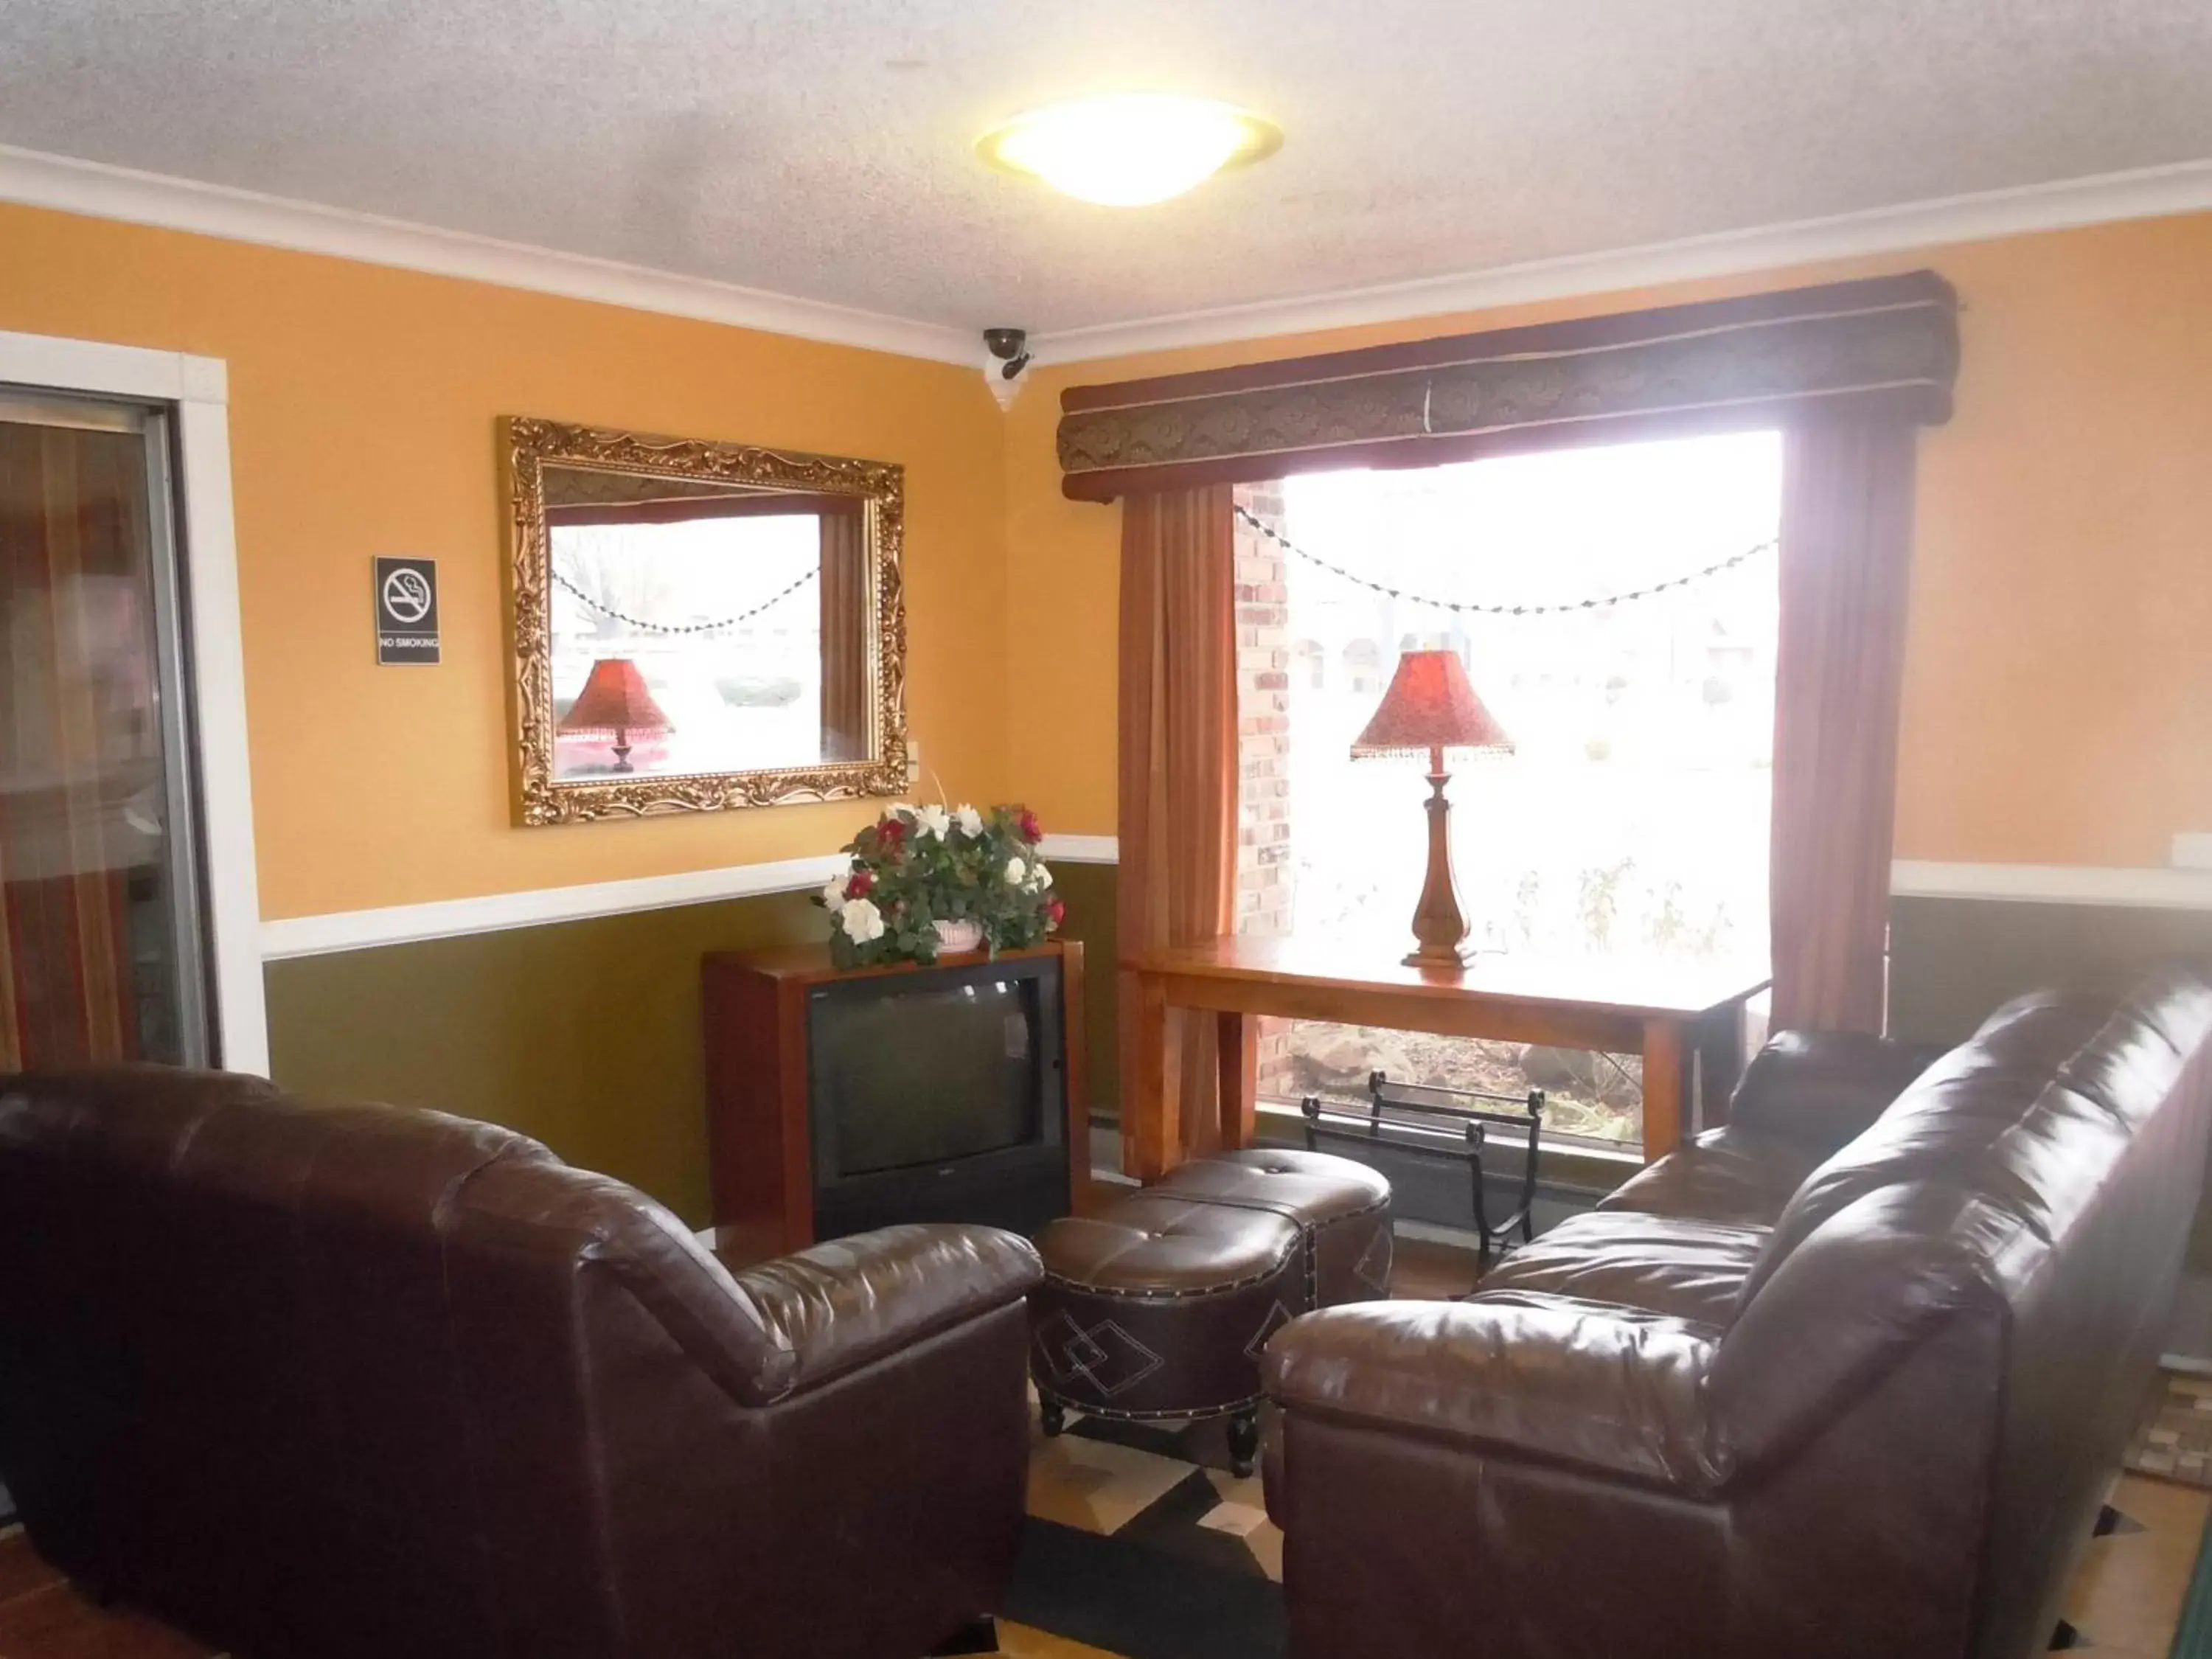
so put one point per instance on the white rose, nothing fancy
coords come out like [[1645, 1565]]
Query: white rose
[[933, 821], [861, 922], [970, 820], [1017, 872], [1040, 878], [833, 896]]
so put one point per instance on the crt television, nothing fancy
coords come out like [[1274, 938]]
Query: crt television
[[939, 1096], [843, 1101]]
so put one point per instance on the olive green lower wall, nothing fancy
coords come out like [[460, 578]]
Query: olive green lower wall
[[582, 1034], [586, 1034], [1088, 890]]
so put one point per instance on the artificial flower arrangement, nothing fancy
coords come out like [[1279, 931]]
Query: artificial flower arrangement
[[929, 879]]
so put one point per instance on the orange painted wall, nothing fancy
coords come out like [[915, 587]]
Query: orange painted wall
[[362, 405], [2058, 695]]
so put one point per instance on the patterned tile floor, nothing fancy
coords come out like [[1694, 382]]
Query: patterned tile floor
[[2175, 1439]]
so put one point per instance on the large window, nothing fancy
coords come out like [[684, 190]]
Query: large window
[[1633, 818]]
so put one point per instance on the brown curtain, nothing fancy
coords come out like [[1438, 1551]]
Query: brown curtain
[[1845, 556], [77, 741], [845, 680], [1178, 780]]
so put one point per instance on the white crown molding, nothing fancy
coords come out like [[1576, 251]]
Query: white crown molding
[[358, 930], [63, 183], [2145, 193], [2145, 888], [97, 189], [1081, 849]]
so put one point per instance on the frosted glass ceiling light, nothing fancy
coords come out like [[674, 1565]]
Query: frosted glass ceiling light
[[1130, 150]]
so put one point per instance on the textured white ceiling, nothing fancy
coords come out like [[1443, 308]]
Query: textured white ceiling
[[822, 148]]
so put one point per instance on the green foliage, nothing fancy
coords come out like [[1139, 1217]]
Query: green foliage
[[916, 867]]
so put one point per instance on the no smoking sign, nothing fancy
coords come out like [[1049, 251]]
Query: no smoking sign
[[407, 610]]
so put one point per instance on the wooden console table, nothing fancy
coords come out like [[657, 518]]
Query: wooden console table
[[1686, 1022]]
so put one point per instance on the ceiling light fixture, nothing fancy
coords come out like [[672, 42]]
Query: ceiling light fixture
[[1132, 149]]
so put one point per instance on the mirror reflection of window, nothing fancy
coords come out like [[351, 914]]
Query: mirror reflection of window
[[698, 628]]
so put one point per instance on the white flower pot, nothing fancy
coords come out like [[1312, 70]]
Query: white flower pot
[[964, 935]]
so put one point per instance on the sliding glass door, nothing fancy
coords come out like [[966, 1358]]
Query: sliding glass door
[[102, 952]]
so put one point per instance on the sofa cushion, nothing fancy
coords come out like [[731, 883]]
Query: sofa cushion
[[1313, 1188], [1679, 1266], [1824, 1088], [2011, 1117], [1733, 1175]]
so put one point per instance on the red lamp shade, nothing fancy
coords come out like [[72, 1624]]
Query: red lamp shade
[[615, 703], [1430, 706]]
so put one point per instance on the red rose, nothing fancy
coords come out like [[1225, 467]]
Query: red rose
[[1055, 911], [862, 884], [1032, 832], [891, 832]]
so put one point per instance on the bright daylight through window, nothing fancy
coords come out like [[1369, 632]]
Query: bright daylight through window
[[1632, 819]]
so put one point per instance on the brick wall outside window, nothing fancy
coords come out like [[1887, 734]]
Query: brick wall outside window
[[1264, 880]]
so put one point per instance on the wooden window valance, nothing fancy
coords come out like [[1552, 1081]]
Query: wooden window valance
[[1885, 347]]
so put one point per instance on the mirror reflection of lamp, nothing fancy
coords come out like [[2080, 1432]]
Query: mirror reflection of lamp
[[614, 703]]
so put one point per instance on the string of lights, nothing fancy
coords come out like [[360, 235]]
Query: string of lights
[[1466, 607], [689, 627]]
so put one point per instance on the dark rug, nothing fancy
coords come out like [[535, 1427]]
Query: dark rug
[[2192, 1636], [1143, 1542], [1140, 1601]]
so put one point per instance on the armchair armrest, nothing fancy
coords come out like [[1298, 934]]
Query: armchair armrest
[[1550, 1378], [840, 1305], [1826, 1088]]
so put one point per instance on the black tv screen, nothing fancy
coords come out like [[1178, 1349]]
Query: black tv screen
[[905, 1075]]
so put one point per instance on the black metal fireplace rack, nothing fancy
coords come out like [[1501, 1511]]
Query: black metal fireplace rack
[[1430, 1121]]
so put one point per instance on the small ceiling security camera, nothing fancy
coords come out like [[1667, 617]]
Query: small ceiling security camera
[[1009, 346], [1010, 356]]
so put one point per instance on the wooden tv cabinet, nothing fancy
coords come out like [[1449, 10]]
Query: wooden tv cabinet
[[754, 1006]]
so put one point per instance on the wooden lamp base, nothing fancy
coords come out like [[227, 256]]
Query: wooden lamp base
[[1439, 924]]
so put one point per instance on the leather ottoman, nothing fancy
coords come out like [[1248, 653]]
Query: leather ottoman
[[1159, 1304]]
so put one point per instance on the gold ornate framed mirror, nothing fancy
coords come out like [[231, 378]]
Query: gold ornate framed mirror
[[698, 626]]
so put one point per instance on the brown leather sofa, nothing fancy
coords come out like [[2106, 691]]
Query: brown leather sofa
[[331, 1382], [1847, 1377]]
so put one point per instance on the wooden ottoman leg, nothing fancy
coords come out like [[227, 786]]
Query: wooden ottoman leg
[[1052, 1417], [1244, 1441]]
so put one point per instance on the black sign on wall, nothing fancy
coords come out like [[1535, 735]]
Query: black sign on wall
[[407, 610]]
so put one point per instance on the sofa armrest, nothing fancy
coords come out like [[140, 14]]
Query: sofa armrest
[[1824, 1088], [1550, 1378], [840, 1305]]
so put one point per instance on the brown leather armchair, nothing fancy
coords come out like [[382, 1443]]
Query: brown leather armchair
[[336, 1380], [1849, 1376]]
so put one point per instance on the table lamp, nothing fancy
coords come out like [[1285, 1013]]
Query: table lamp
[[615, 703], [1431, 705]]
